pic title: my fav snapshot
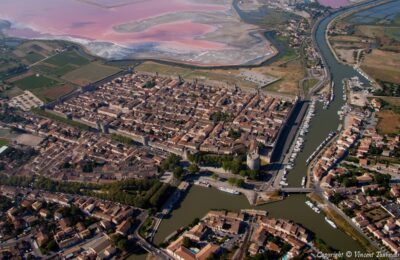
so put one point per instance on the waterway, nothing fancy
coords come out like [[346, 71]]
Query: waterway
[[327, 120], [200, 200]]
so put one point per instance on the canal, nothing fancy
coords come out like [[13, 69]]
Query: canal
[[327, 120], [200, 200]]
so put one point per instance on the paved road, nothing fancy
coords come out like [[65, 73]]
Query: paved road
[[157, 253]]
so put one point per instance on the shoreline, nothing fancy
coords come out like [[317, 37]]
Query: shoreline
[[371, 4], [342, 223]]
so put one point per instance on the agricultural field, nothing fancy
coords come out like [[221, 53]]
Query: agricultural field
[[3, 142], [383, 65], [376, 33], [45, 88], [90, 73], [30, 52], [32, 82], [59, 91], [389, 116], [66, 58], [49, 69]]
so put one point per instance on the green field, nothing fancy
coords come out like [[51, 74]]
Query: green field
[[90, 73], [309, 84], [56, 70], [33, 82], [40, 87], [68, 57], [3, 142], [33, 57], [393, 33]]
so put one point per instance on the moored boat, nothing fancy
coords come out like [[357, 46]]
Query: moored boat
[[330, 222], [228, 190]]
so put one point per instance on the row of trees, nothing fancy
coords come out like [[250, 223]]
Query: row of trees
[[235, 165], [388, 89], [144, 193], [236, 182]]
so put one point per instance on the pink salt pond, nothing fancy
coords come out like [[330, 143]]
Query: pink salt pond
[[94, 20]]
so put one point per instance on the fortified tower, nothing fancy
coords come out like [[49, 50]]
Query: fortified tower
[[253, 157]]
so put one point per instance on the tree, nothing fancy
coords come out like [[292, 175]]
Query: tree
[[350, 182], [195, 222], [178, 171], [52, 246], [123, 244], [382, 180], [186, 242], [234, 134], [193, 168], [236, 182]]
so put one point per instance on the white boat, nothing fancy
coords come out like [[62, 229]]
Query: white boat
[[316, 210], [228, 190], [330, 222], [283, 183], [303, 181], [313, 207], [202, 183]]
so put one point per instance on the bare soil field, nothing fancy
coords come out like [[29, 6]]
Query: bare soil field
[[371, 31], [383, 65], [290, 75], [56, 92], [225, 76], [19, 77], [389, 122], [393, 101], [346, 38]]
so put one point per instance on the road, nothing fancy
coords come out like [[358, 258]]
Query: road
[[51, 56], [35, 251], [157, 253], [337, 72]]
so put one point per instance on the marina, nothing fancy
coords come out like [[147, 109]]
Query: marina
[[313, 207], [362, 73], [320, 147], [299, 141], [200, 200]]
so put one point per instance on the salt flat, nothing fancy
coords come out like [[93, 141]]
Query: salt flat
[[200, 32]]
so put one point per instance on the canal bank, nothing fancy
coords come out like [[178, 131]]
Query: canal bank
[[200, 200], [325, 120]]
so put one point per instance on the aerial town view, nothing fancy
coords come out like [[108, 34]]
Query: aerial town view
[[200, 129]]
